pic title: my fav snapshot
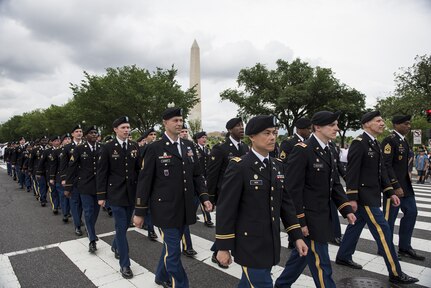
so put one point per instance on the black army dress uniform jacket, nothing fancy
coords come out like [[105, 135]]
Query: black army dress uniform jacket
[[286, 147], [65, 157], [252, 200], [203, 157], [168, 183], [221, 154], [312, 182], [83, 168], [396, 158], [54, 169], [117, 173], [365, 162], [44, 162]]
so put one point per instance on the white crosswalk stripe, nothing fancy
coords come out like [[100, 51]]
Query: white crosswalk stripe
[[103, 271]]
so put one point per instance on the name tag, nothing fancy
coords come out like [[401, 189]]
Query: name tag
[[318, 165], [280, 176], [165, 161], [256, 182]]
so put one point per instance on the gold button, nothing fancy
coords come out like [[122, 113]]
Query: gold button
[[273, 219], [160, 199], [126, 164], [255, 187], [245, 233], [127, 177], [272, 188], [272, 198], [127, 170], [185, 189], [185, 180], [272, 208], [183, 163]]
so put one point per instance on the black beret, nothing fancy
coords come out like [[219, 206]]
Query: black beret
[[67, 135], [184, 126], [108, 138], [199, 135], [57, 137], [259, 123], [21, 138], [91, 128], [119, 121], [399, 119], [43, 137], [323, 118], [78, 126], [172, 112], [303, 123], [140, 138], [369, 116], [147, 132], [233, 122]]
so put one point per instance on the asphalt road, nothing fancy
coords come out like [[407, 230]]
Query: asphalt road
[[37, 250]]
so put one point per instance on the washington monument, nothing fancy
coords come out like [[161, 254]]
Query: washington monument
[[195, 79]]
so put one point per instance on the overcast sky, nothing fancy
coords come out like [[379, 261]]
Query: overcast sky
[[46, 44]]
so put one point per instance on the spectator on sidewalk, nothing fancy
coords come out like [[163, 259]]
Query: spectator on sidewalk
[[421, 164]]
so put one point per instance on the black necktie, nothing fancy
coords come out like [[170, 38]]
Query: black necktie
[[124, 146], [266, 162]]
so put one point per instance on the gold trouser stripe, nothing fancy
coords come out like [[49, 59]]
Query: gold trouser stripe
[[203, 213], [382, 238], [183, 239], [317, 263], [388, 206], [246, 275], [166, 254], [50, 196]]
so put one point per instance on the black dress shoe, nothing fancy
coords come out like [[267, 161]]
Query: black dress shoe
[[348, 263], [145, 227], [126, 272], [209, 223], [43, 204], [214, 260], [412, 254], [152, 235], [109, 212], [163, 284], [92, 247], [116, 254], [97, 238], [78, 232], [403, 279], [55, 211], [190, 252], [65, 219]]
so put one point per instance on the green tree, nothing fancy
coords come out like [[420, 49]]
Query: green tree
[[294, 90], [412, 94], [131, 91]]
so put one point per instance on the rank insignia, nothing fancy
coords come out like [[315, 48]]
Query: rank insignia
[[255, 177], [388, 149]]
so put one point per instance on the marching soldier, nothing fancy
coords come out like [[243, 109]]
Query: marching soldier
[[55, 177], [395, 155], [117, 175], [303, 131], [7, 154], [82, 168], [53, 193], [39, 169], [16, 160], [148, 137], [366, 179], [252, 200], [312, 183], [33, 163], [200, 139], [24, 165], [168, 182], [221, 154], [74, 199]]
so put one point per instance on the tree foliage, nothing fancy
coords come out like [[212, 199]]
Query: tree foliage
[[294, 90], [99, 99]]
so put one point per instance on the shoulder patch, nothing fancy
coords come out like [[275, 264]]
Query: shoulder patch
[[282, 155], [236, 159], [302, 144], [388, 149]]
